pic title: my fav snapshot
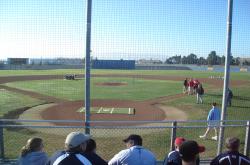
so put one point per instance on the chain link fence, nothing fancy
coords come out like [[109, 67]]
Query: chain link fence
[[157, 137]]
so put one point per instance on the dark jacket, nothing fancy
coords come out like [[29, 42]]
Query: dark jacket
[[174, 158], [200, 91], [71, 159], [95, 159], [231, 158]]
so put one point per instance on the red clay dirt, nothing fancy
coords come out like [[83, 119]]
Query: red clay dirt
[[66, 110]]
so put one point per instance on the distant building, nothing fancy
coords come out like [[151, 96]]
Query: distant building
[[18, 61], [244, 60], [151, 61], [56, 61]]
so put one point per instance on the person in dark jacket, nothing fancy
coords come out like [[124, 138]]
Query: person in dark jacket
[[199, 94], [185, 86], [174, 158], [189, 152], [229, 97], [90, 154], [32, 153], [232, 155], [75, 146]]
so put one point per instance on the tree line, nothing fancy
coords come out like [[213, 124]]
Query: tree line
[[212, 59]]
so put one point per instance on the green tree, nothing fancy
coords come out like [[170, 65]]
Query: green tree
[[213, 59], [192, 59], [202, 61]]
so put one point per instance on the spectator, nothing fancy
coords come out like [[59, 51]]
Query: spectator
[[213, 119], [135, 154], [90, 154], [32, 153], [229, 97], [174, 158], [75, 146], [199, 94], [189, 152], [232, 156]]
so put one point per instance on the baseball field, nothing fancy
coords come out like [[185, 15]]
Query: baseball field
[[116, 95]]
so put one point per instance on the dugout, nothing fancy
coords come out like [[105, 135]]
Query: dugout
[[113, 64]]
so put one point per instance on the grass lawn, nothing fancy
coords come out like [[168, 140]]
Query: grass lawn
[[10, 101], [136, 89], [182, 73]]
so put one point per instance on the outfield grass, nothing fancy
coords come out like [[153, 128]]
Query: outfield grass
[[136, 89], [10, 101], [181, 73]]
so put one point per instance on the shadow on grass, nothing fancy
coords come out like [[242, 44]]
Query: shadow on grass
[[15, 115]]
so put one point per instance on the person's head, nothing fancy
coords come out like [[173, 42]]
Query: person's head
[[133, 140], [33, 145], [76, 142], [189, 151], [91, 146], [214, 104], [233, 144], [178, 141]]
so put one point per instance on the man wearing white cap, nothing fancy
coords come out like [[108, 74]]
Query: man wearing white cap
[[75, 145]]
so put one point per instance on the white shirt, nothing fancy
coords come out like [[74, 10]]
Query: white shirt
[[135, 155]]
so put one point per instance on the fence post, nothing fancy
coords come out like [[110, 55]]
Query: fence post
[[247, 139], [1, 141], [173, 135]]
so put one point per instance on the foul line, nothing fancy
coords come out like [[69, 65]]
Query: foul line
[[99, 111]]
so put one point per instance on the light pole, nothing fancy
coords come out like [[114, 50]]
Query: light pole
[[87, 68], [226, 76]]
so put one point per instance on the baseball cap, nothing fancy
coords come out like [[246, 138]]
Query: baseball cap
[[74, 139], [135, 138], [189, 149], [179, 140]]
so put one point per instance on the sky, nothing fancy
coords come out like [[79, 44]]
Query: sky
[[121, 29]]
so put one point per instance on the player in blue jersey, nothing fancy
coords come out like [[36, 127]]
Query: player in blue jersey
[[213, 121]]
